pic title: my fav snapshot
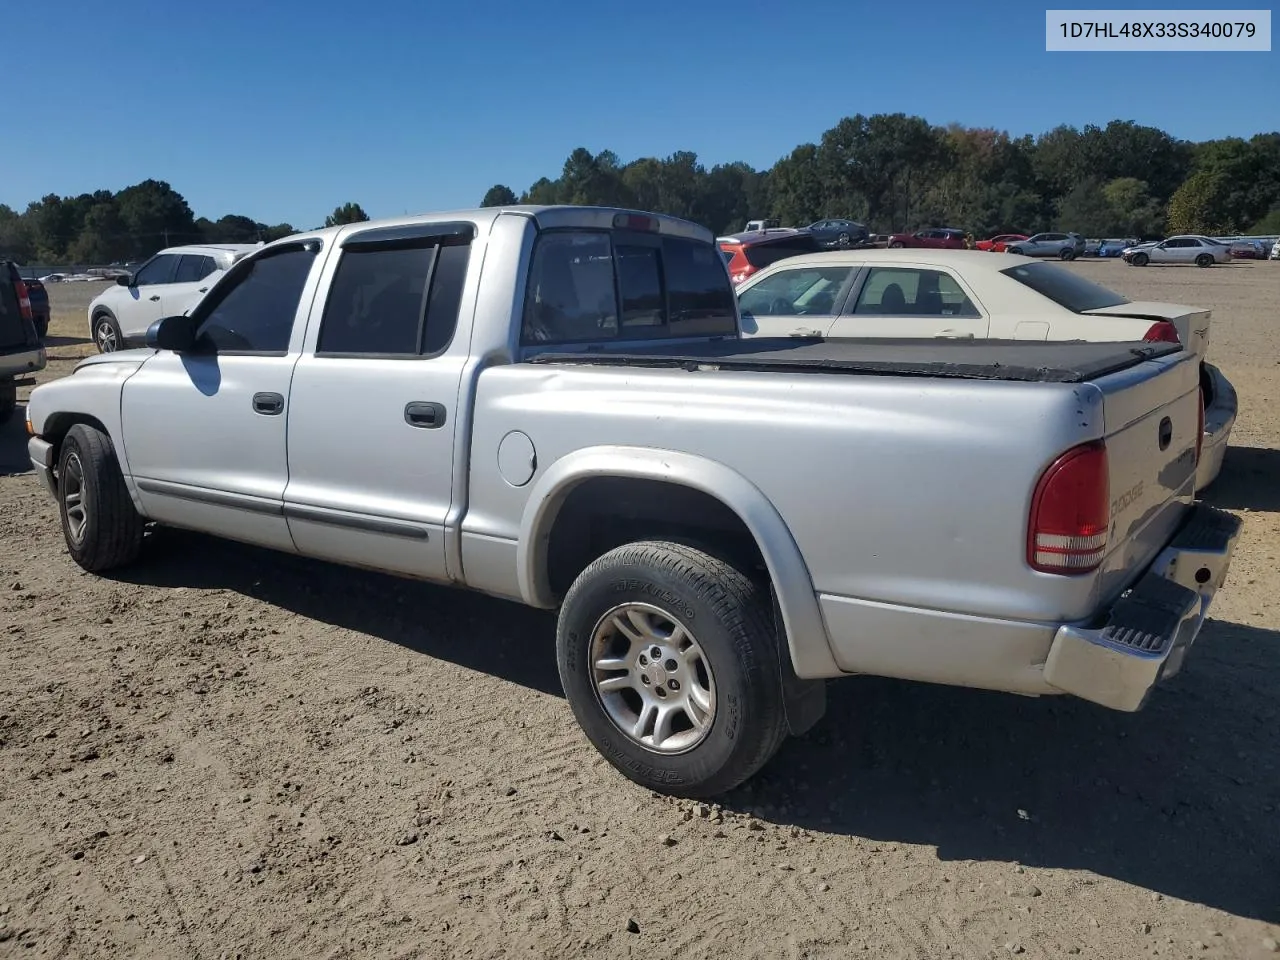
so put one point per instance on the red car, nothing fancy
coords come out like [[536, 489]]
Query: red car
[[997, 243], [746, 253], [935, 238]]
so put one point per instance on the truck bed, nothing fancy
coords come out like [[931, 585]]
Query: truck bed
[[1025, 361]]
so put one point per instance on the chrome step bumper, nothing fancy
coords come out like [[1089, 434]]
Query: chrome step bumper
[[1152, 625]]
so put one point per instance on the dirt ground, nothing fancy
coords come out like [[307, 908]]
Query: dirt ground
[[226, 752]]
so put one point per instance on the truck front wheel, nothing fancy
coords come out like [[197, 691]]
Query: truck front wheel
[[99, 522], [669, 660]]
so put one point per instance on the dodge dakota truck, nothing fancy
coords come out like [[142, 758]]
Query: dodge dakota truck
[[554, 405]]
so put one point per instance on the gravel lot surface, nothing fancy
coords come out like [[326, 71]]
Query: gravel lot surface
[[226, 752]]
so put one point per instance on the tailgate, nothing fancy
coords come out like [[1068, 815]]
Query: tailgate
[[1192, 322], [1152, 422], [13, 329]]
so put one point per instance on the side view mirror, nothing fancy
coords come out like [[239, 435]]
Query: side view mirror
[[173, 333], [125, 280]]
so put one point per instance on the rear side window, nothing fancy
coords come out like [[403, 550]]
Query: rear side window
[[254, 313], [581, 283], [194, 268], [699, 297], [1064, 287], [912, 292], [394, 301]]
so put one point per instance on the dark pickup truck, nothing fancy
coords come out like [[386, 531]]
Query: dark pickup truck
[[21, 352]]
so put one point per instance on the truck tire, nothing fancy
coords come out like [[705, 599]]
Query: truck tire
[[106, 333], [99, 523], [8, 398], [669, 660]]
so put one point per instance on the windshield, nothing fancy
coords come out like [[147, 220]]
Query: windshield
[[1063, 287]]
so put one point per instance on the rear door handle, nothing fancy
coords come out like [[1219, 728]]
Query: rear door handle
[[155, 298], [268, 404], [421, 413]]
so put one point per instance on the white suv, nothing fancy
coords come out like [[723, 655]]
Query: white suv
[[170, 283]]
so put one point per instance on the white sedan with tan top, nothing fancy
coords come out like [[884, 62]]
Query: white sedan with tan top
[[969, 294]]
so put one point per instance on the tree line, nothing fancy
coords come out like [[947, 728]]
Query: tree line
[[126, 226], [895, 172], [889, 171]]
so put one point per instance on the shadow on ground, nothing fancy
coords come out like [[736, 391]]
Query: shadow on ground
[[1250, 480], [13, 443], [1180, 798], [66, 341]]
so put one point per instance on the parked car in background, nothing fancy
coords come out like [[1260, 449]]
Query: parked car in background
[[1275, 250], [1115, 247], [968, 295], [997, 243], [745, 253], [40, 310], [551, 405], [754, 225], [1064, 246], [21, 353], [838, 233], [170, 283], [1185, 249], [935, 238], [1248, 250]]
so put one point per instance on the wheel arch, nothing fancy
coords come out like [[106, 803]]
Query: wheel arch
[[801, 617], [59, 423]]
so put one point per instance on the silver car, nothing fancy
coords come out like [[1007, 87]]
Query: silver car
[[1187, 248], [1065, 246]]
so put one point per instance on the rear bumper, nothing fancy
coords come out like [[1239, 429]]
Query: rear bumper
[[1113, 659], [21, 361], [1149, 630]]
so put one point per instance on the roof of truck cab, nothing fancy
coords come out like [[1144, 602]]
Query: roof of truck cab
[[547, 217]]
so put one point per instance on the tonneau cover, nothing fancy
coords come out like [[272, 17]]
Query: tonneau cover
[[1035, 361]]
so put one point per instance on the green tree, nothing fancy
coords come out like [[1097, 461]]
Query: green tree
[[347, 213], [277, 232], [1134, 212], [499, 195], [154, 216], [796, 187], [1196, 206], [1086, 210]]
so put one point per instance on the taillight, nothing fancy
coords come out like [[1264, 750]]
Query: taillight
[[1162, 331], [1071, 512], [1200, 425], [24, 299]]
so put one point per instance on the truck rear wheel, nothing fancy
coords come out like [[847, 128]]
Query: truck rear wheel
[[668, 657], [99, 523]]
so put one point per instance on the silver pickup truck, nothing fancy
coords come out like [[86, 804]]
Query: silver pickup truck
[[553, 405]]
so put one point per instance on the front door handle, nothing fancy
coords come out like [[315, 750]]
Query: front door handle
[[155, 298], [268, 404], [421, 413]]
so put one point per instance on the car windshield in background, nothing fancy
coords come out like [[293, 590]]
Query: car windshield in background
[[1063, 287]]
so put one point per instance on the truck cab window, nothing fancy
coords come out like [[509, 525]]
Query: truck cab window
[[255, 313]]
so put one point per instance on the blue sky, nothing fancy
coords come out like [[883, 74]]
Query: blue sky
[[282, 109]]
